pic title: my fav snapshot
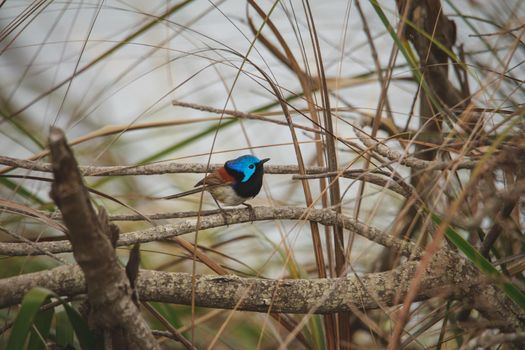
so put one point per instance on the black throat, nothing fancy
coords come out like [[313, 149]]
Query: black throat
[[251, 187]]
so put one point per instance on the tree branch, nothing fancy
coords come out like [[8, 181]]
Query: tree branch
[[235, 216], [324, 295], [448, 275], [380, 178], [108, 289], [411, 162], [198, 168]]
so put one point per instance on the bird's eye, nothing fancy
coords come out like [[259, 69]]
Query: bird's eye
[[251, 166]]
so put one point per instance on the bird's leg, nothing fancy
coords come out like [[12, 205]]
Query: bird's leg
[[252, 212], [223, 212]]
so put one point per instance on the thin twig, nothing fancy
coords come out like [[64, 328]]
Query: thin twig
[[242, 115], [411, 162], [198, 168]]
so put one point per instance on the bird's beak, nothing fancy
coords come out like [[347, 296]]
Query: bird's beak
[[264, 160]]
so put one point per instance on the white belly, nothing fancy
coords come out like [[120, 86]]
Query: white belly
[[226, 195]]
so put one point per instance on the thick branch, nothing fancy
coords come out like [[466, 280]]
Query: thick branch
[[108, 288], [447, 275], [323, 295]]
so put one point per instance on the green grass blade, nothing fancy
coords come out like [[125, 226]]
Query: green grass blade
[[173, 148], [412, 62], [436, 42], [187, 141], [443, 331], [104, 55], [26, 316], [483, 264], [20, 190], [205, 132], [26, 133], [316, 327], [169, 313], [64, 335], [466, 20], [5, 111], [86, 339], [404, 48], [42, 324]]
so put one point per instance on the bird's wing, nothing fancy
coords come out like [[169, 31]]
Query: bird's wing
[[216, 178]]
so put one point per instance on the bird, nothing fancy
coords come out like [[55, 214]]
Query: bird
[[239, 180]]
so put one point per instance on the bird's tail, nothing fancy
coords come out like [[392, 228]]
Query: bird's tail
[[187, 193], [184, 194]]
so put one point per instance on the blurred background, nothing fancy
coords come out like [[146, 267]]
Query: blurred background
[[110, 73]]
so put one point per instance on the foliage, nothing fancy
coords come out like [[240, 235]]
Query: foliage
[[309, 84]]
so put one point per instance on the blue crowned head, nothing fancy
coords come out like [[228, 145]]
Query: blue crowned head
[[247, 165]]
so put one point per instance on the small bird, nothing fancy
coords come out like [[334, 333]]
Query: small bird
[[239, 180]]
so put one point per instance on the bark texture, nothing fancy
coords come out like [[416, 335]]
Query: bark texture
[[112, 310]]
